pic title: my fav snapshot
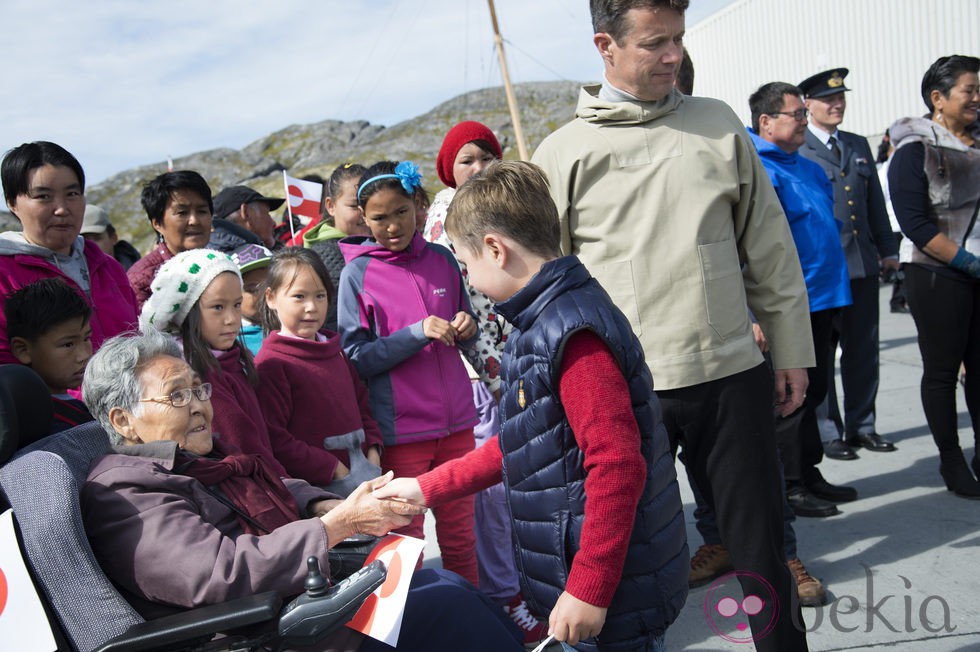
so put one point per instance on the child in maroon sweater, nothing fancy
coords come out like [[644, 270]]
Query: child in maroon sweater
[[197, 297], [314, 403], [589, 474]]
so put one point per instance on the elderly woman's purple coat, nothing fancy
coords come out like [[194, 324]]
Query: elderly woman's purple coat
[[163, 537]]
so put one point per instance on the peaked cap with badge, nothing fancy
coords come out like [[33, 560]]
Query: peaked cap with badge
[[822, 84]]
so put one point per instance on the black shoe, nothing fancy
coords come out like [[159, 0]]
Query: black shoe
[[831, 492], [901, 309], [872, 442], [959, 480], [806, 504], [838, 450]]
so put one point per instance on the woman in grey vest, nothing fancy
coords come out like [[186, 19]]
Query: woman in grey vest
[[934, 182]]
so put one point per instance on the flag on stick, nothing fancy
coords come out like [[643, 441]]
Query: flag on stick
[[303, 198], [380, 617]]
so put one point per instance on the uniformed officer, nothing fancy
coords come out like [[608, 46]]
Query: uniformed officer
[[866, 236]]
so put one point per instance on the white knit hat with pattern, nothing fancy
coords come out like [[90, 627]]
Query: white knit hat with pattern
[[178, 285]]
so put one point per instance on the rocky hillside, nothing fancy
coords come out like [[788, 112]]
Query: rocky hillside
[[321, 147]]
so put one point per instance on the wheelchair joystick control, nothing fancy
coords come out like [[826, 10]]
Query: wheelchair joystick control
[[322, 609], [315, 583]]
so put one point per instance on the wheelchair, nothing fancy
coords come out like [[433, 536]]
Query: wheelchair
[[40, 479]]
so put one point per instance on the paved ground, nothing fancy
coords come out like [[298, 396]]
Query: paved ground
[[901, 563]]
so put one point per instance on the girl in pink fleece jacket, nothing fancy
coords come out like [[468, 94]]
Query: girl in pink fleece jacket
[[402, 312]]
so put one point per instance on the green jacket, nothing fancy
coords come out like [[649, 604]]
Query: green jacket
[[670, 209], [320, 233]]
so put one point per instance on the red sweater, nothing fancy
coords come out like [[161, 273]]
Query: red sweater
[[237, 415], [310, 390], [597, 405]]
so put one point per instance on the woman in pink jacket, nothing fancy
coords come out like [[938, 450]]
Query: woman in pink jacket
[[44, 187]]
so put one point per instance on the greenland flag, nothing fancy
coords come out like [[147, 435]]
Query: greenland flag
[[380, 617], [303, 198], [23, 625]]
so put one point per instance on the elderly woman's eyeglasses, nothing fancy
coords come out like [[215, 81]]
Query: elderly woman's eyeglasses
[[182, 397]]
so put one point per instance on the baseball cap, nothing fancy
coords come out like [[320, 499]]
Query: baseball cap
[[228, 200], [251, 256], [96, 220]]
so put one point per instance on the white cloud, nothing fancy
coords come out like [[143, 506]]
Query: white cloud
[[123, 83]]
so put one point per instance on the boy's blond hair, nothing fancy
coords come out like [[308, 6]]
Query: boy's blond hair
[[510, 198]]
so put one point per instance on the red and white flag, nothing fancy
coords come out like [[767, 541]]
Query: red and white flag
[[380, 617], [303, 198], [23, 625]]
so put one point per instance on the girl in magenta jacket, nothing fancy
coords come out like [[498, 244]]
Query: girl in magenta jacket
[[314, 403], [402, 311]]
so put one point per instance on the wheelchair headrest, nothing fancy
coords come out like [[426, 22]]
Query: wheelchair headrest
[[25, 409]]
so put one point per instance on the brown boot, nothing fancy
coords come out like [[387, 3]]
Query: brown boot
[[710, 561], [809, 588]]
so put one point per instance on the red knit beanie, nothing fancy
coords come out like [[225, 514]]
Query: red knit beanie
[[464, 132]]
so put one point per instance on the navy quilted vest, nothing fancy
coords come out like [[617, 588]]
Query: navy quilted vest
[[543, 466]]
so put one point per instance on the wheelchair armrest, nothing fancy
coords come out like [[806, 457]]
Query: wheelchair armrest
[[170, 632]]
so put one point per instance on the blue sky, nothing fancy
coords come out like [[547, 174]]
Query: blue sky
[[122, 83]]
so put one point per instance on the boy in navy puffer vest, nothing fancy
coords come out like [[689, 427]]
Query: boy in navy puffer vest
[[599, 535]]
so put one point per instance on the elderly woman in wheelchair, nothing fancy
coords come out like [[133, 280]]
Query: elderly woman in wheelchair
[[178, 520]]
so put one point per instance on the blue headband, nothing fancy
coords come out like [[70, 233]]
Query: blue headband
[[406, 172]]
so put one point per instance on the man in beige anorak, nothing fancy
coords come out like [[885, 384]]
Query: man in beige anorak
[[665, 201]]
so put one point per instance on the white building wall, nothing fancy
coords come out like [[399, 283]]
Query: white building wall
[[886, 44]]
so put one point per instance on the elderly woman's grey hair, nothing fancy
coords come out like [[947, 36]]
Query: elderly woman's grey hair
[[112, 377]]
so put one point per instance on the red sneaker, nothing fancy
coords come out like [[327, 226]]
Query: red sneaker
[[534, 630]]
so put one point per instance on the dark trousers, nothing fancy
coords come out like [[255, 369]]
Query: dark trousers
[[898, 283], [445, 612], [858, 336], [947, 316], [707, 524], [725, 428], [811, 447]]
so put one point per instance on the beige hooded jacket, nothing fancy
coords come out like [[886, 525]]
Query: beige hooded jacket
[[670, 209]]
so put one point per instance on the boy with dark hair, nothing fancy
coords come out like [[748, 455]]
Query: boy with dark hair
[[49, 331], [598, 528]]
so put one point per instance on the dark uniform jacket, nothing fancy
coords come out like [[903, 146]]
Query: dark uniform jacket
[[858, 201]]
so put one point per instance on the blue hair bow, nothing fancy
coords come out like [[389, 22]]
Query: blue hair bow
[[406, 172]]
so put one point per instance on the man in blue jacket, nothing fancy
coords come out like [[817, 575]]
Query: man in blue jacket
[[778, 131]]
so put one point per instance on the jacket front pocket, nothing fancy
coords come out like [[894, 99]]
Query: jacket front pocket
[[724, 292]]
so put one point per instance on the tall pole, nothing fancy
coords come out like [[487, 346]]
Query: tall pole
[[515, 115]]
